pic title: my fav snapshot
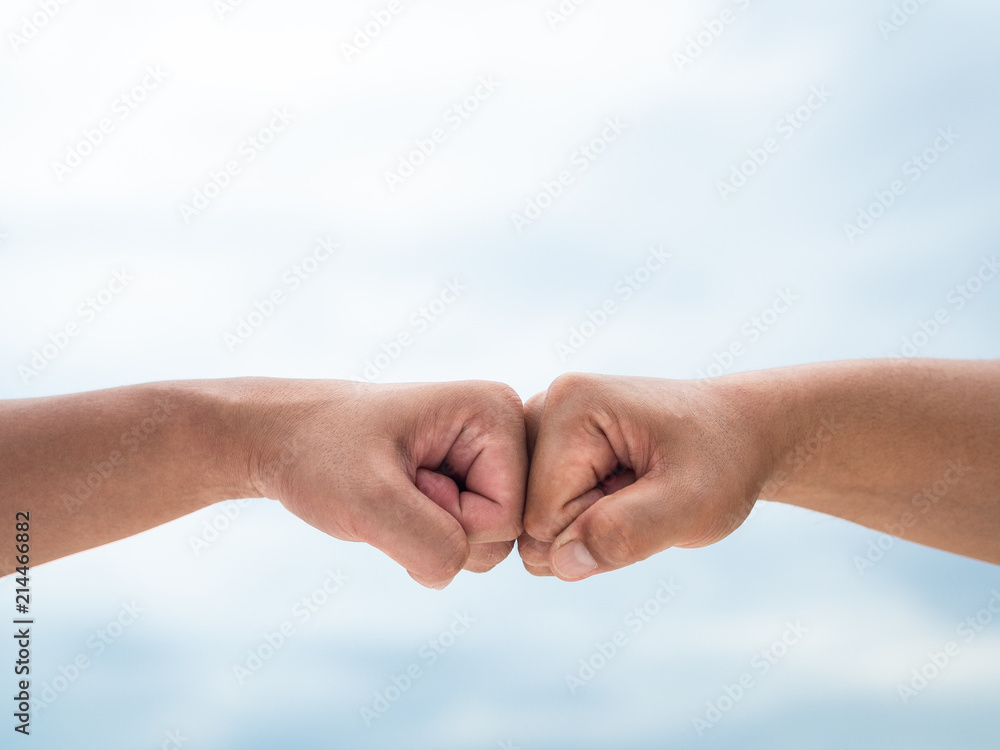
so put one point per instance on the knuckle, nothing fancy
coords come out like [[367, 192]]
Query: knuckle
[[496, 394], [498, 552], [607, 537], [539, 527], [516, 526], [485, 557], [534, 553], [571, 384], [452, 558], [506, 394]]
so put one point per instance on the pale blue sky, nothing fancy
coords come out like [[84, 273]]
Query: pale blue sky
[[656, 185]]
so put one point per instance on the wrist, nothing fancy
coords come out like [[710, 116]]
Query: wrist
[[796, 427], [772, 407], [254, 412], [195, 427], [271, 420], [222, 421]]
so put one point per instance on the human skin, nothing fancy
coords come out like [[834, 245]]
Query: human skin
[[623, 468], [432, 474]]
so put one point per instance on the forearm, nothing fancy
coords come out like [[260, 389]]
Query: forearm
[[94, 467], [905, 447]]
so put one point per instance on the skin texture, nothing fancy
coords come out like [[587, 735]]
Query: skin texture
[[623, 468], [436, 475], [433, 475]]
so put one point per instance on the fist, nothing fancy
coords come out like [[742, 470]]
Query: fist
[[623, 468], [431, 474]]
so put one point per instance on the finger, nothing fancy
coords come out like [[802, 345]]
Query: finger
[[619, 479], [441, 489], [623, 528], [483, 520], [415, 532], [534, 554], [485, 557], [533, 411], [490, 458], [540, 572], [486, 520], [444, 491], [572, 456]]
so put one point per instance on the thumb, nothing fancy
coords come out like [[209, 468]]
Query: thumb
[[620, 529], [417, 533]]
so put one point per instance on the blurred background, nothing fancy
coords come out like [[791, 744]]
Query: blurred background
[[823, 180]]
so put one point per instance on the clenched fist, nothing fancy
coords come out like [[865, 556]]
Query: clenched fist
[[623, 468], [431, 474]]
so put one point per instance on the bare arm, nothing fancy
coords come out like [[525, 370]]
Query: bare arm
[[94, 467], [911, 448]]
